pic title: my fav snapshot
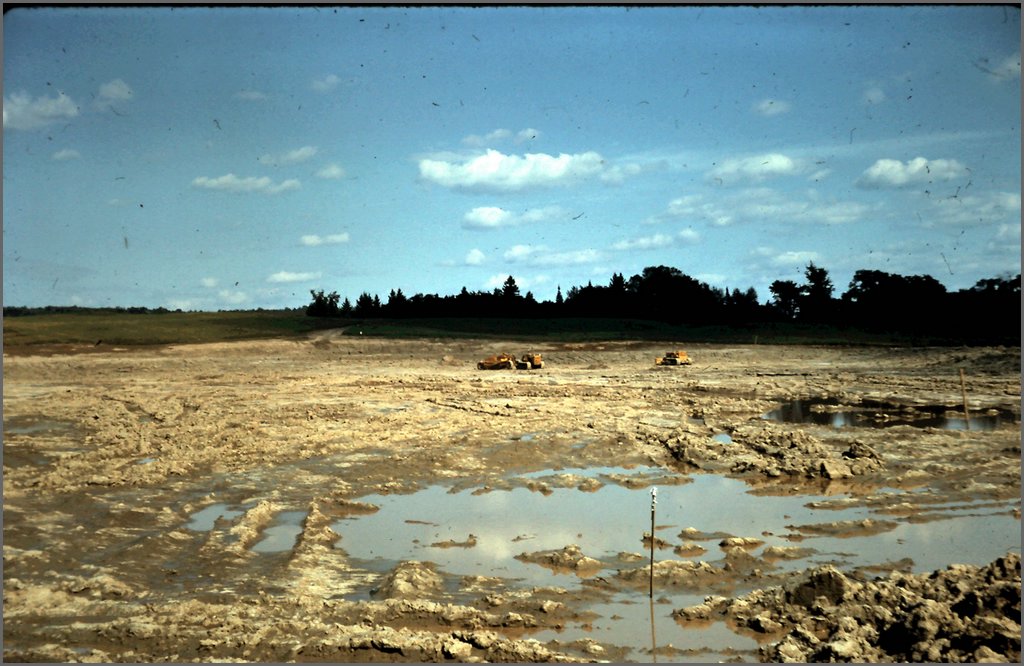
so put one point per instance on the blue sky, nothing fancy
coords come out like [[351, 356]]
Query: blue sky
[[222, 158]]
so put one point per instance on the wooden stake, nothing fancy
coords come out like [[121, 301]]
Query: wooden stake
[[963, 390]]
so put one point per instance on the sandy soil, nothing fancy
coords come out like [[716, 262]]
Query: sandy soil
[[108, 453]]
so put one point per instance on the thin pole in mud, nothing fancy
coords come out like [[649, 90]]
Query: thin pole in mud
[[963, 390], [654, 501], [654, 639]]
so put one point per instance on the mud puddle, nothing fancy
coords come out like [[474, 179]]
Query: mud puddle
[[606, 513]]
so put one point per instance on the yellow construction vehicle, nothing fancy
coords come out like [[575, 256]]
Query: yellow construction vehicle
[[673, 358], [530, 361], [505, 361], [498, 362]]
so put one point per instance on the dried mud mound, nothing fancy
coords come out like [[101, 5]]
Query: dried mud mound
[[961, 614], [768, 450]]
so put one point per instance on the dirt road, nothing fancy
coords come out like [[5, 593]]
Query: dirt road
[[206, 501]]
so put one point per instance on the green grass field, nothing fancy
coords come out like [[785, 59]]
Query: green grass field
[[121, 328]]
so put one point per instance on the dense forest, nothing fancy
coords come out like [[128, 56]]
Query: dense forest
[[874, 301]]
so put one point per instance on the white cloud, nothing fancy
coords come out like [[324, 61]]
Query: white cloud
[[24, 113], [772, 107], [657, 241], [486, 217], [493, 217], [765, 205], [788, 258], [521, 252], [181, 304], [331, 172], [755, 168], [478, 141], [499, 135], [313, 240], [887, 173], [111, 92], [619, 173], [232, 183], [496, 171], [326, 84], [286, 276], [232, 297], [987, 208], [209, 282], [475, 257], [66, 154], [528, 134], [540, 255], [291, 157]]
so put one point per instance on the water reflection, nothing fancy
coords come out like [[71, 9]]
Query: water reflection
[[806, 411]]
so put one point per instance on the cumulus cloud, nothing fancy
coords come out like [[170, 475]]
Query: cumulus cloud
[[657, 241], [313, 240], [233, 297], [331, 172], [111, 92], [753, 169], [475, 257], [772, 107], [286, 276], [887, 173], [66, 154], [493, 217], [480, 141], [232, 183], [496, 171], [486, 217], [23, 112], [291, 157], [326, 84], [540, 255], [209, 282]]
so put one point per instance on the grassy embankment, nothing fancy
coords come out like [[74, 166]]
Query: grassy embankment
[[99, 329]]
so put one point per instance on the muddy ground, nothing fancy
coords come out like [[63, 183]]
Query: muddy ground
[[109, 453]]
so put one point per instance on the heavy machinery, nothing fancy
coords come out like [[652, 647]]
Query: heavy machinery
[[504, 361], [530, 361], [673, 358], [497, 362]]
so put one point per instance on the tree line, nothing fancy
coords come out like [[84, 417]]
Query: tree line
[[874, 301]]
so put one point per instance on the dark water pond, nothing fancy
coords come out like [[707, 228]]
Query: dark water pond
[[837, 416]]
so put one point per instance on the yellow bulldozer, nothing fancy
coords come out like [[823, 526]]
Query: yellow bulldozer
[[673, 358], [505, 361]]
